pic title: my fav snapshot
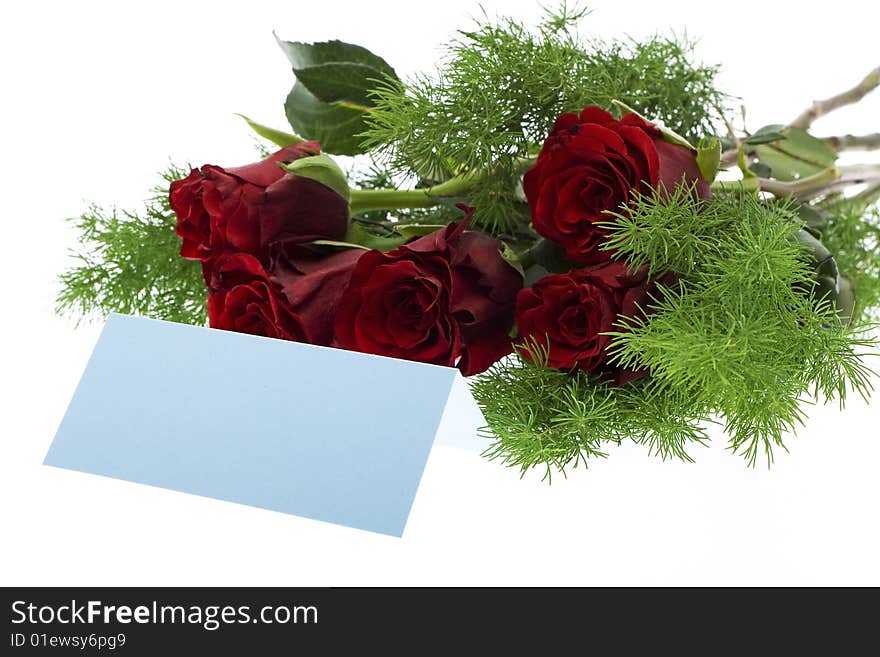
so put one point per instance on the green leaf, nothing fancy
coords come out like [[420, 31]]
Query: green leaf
[[341, 82], [303, 55], [797, 155], [335, 127], [826, 276], [332, 94], [709, 158], [550, 257], [846, 299], [418, 230], [764, 137], [760, 169], [323, 169], [535, 273], [816, 221], [277, 137], [668, 135]]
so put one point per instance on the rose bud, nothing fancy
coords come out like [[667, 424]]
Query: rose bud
[[252, 207], [590, 164], [570, 313]]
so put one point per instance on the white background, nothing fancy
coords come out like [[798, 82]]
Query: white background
[[96, 97]]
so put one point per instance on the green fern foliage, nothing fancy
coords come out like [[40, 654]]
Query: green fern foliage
[[740, 338], [500, 87], [130, 263]]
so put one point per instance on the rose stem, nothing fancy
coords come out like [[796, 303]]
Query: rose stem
[[809, 187], [365, 200], [822, 107], [854, 142]]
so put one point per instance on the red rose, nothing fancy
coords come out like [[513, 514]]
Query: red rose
[[485, 288], [569, 313], [241, 298], [299, 302], [313, 285], [592, 163], [445, 298], [252, 207]]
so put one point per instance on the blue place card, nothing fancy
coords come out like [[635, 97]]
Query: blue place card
[[323, 433]]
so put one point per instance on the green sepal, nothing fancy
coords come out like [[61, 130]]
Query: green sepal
[[340, 244], [324, 170], [358, 237], [743, 164], [277, 137], [509, 256], [709, 158], [363, 238]]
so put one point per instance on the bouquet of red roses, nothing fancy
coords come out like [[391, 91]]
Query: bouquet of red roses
[[576, 225]]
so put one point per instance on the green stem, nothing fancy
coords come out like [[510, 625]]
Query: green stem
[[366, 200], [854, 142], [746, 185], [822, 107], [804, 188]]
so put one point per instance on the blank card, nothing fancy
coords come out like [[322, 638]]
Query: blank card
[[323, 433]]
